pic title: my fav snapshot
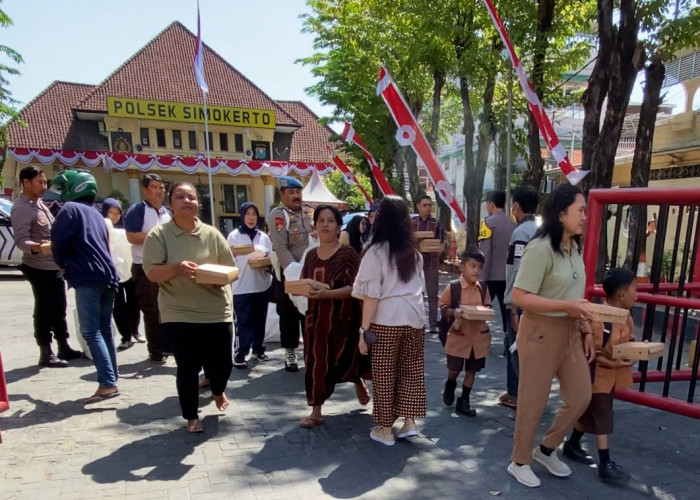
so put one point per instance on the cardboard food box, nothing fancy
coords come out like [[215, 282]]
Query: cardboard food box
[[476, 313], [638, 351], [214, 274], [242, 249], [260, 262], [608, 314], [46, 248], [421, 235], [302, 287], [430, 245]]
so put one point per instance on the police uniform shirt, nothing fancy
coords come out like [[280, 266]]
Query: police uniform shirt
[[494, 238], [289, 232]]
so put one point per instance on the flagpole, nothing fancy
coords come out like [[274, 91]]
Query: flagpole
[[206, 145]]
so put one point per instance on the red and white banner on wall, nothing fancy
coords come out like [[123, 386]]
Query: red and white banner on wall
[[351, 137], [348, 176], [410, 134], [573, 175]]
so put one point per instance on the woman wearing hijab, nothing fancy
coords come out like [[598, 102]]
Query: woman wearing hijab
[[127, 315], [250, 291], [352, 235]]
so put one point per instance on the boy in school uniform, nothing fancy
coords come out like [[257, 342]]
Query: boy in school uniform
[[609, 374], [468, 341]]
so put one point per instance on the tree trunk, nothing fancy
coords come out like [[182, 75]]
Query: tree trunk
[[411, 163], [641, 163], [499, 170], [443, 211], [545, 15]]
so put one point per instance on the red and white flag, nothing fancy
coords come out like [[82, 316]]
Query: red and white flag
[[199, 58], [410, 134], [351, 137], [348, 176], [573, 175]]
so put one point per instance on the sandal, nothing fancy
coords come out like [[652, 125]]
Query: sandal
[[506, 400], [407, 432], [377, 435], [362, 392], [310, 422], [101, 396]]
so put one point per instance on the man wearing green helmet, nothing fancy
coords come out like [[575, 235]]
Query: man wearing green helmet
[[80, 246]]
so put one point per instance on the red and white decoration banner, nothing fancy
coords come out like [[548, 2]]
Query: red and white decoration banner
[[573, 175], [348, 176], [188, 164], [410, 134], [351, 137]]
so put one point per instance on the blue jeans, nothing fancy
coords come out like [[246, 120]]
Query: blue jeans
[[95, 304], [512, 364]]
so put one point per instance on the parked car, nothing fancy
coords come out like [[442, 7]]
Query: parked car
[[10, 255]]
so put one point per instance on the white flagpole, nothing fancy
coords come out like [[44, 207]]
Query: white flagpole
[[206, 145]]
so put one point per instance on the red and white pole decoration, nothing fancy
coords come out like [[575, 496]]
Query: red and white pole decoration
[[573, 175], [348, 176], [351, 137], [410, 134]]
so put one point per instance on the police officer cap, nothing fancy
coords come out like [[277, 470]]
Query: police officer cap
[[286, 181]]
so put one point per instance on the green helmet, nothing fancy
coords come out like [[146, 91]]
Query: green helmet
[[74, 184]]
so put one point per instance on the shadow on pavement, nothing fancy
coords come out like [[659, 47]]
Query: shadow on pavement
[[155, 458], [45, 412], [144, 413], [21, 373]]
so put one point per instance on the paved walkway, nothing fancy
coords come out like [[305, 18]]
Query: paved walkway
[[135, 446]]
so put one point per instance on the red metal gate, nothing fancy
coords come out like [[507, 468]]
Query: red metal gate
[[670, 295]]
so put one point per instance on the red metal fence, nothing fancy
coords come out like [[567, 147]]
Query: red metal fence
[[668, 306]]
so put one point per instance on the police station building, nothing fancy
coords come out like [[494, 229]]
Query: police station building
[[147, 116]]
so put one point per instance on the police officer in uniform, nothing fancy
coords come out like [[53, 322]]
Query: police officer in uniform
[[423, 221], [494, 240], [290, 227]]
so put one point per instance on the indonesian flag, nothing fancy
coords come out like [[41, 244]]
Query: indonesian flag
[[410, 134], [199, 58], [348, 176], [573, 175], [351, 137]]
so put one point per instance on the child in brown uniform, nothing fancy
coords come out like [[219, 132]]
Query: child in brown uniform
[[468, 341], [610, 374]]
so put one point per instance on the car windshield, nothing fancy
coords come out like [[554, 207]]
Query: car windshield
[[5, 207]]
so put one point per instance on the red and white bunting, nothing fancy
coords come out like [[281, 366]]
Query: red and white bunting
[[410, 134], [573, 175], [188, 164], [348, 176], [351, 137]]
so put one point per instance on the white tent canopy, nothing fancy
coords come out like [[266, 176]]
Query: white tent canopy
[[316, 193]]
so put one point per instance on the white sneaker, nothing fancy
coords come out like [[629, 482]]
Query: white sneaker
[[552, 463], [524, 475]]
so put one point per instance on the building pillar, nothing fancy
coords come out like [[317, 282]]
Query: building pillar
[[134, 187], [691, 87], [268, 193]]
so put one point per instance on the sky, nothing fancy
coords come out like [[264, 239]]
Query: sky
[[84, 41]]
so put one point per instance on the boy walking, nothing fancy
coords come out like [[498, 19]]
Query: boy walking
[[621, 291], [468, 341]]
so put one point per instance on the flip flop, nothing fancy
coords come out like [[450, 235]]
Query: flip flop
[[96, 398], [407, 433], [310, 423], [505, 400]]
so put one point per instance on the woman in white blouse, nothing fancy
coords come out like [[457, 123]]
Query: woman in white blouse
[[250, 297], [390, 284]]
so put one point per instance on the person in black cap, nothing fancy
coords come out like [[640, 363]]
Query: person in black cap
[[290, 227]]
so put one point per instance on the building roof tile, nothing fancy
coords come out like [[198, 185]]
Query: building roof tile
[[310, 142]]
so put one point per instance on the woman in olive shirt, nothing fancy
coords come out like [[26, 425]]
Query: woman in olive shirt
[[549, 288], [197, 319]]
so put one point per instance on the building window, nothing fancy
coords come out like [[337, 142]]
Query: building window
[[238, 140], [211, 141], [177, 139], [145, 141], [193, 140], [223, 141], [234, 197], [160, 137]]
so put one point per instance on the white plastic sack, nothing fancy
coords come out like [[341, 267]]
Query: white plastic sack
[[272, 324]]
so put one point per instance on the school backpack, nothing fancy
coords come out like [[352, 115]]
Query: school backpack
[[445, 323]]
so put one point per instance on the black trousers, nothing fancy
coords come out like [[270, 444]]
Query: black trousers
[[49, 291], [147, 295], [127, 315], [197, 346], [291, 322], [497, 289], [251, 314]]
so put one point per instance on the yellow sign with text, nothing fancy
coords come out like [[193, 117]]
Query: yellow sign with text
[[124, 107]]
